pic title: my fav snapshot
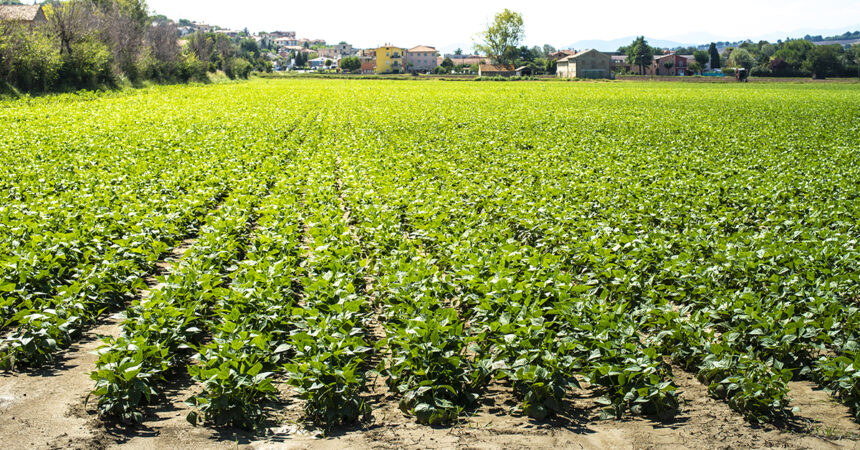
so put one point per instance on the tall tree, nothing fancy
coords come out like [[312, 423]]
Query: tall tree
[[501, 37], [715, 56], [639, 53], [822, 60], [702, 58]]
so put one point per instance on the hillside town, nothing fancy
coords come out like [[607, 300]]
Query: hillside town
[[185, 50], [287, 52]]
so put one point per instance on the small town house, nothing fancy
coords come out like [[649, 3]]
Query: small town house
[[496, 70], [31, 15], [586, 64], [390, 59]]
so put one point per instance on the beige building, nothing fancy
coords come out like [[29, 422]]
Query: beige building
[[496, 70], [585, 64], [336, 51], [24, 14], [421, 59]]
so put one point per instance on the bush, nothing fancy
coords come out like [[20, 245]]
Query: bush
[[28, 61], [88, 66], [501, 78], [237, 68], [192, 69]]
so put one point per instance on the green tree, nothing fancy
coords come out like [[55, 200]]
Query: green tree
[[458, 52], [501, 37], [639, 53], [823, 60], [350, 63], [702, 58], [696, 67], [853, 54], [526, 55], [28, 61], [794, 53], [448, 63], [740, 57], [551, 66], [715, 56]]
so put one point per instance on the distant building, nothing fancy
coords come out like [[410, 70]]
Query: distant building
[[231, 33], [421, 59], [201, 27], [311, 42], [586, 64], [285, 41], [263, 40], [669, 65], [283, 34], [319, 63], [555, 56], [337, 51], [368, 67], [620, 64], [25, 14], [466, 60], [390, 59], [524, 71], [496, 70]]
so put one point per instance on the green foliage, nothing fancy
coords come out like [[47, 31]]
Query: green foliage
[[823, 60], [350, 63], [502, 37], [28, 61], [741, 58], [542, 248], [237, 68], [714, 55], [639, 53], [702, 58]]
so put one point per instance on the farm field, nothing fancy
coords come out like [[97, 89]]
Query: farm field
[[434, 264]]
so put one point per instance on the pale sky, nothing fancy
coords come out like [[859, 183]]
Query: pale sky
[[451, 23]]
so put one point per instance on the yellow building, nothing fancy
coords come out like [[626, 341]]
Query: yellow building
[[390, 59]]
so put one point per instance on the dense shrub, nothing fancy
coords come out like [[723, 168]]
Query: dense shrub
[[237, 68], [88, 66], [28, 61]]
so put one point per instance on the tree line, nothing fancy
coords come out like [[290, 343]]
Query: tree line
[[792, 58], [94, 44]]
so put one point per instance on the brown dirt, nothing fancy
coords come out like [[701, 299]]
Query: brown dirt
[[46, 410], [43, 409]]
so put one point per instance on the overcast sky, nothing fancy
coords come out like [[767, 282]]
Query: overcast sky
[[446, 23]]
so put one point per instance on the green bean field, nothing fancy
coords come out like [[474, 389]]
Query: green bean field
[[429, 246]]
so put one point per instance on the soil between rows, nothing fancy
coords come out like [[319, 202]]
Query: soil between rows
[[48, 409]]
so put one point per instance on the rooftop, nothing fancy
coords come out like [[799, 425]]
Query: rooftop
[[577, 55], [25, 13], [496, 68]]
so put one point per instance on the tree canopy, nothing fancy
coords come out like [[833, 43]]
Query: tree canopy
[[639, 53], [502, 37]]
